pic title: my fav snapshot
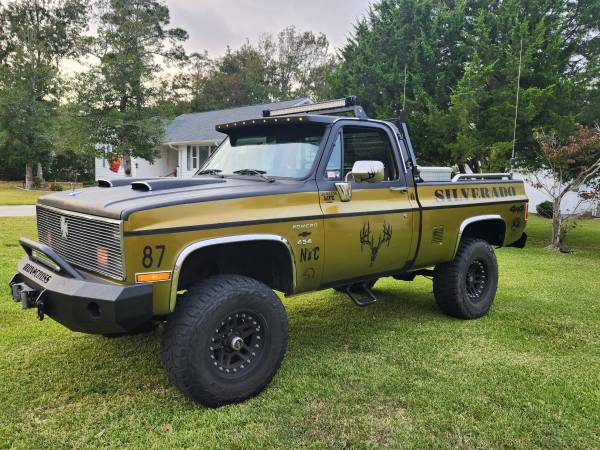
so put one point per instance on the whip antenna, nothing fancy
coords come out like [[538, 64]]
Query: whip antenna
[[404, 93], [512, 159]]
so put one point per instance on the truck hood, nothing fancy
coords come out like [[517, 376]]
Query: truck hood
[[117, 199]]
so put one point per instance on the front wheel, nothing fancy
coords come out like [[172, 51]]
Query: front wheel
[[466, 287], [225, 340]]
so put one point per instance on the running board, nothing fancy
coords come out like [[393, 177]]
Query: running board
[[367, 300]]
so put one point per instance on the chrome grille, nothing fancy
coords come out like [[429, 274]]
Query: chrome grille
[[88, 242]]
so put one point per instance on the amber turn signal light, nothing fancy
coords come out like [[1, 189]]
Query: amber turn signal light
[[152, 277]]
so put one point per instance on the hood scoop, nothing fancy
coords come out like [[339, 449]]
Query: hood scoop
[[160, 184], [116, 182]]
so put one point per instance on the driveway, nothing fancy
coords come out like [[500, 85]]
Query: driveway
[[17, 210]]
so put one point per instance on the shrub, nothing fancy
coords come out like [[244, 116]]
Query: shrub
[[545, 209], [36, 183], [56, 187]]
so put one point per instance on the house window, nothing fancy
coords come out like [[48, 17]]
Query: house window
[[195, 157], [189, 157], [203, 153]]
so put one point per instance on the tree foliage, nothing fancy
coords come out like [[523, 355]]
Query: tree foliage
[[291, 64], [571, 165], [35, 37], [117, 95], [461, 59]]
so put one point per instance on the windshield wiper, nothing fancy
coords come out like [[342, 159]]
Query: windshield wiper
[[216, 172], [259, 173]]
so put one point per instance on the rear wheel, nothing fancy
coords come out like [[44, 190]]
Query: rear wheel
[[225, 340], [466, 287]]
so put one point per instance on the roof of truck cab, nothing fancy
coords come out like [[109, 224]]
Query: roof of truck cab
[[283, 120]]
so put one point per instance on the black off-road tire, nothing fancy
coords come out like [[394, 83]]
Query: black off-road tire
[[197, 348], [466, 287], [357, 286]]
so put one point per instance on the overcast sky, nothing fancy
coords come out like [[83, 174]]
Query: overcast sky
[[213, 25]]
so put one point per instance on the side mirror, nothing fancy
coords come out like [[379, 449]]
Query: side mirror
[[368, 171]]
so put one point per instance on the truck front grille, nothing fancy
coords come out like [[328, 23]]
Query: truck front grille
[[88, 242]]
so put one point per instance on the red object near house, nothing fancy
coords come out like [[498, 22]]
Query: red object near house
[[115, 164]]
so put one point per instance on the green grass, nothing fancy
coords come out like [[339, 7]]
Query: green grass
[[10, 195], [397, 373]]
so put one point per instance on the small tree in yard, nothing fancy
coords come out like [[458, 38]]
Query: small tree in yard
[[572, 166]]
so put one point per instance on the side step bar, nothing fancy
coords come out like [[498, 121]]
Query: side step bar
[[364, 298]]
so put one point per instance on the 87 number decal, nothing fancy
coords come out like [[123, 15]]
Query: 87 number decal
[[150, 254]]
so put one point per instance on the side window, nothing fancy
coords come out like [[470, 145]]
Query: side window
[[360, 144], [369, 144]]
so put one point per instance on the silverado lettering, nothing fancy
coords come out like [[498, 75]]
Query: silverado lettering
[[472, 193]]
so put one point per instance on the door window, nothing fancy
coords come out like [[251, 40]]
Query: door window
[[360, 144]]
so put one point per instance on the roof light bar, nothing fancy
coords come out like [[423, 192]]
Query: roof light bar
[[345, 104]]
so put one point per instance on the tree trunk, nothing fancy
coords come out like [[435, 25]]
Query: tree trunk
[[127, 164], [40, 174], [28, 176], [556, 223]]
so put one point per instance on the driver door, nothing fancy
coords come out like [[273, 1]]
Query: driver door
[[371, 234]]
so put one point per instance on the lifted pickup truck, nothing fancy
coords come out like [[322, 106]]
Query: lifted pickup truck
[[293, 201]]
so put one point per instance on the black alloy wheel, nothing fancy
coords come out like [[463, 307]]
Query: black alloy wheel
[[476, 280], [238, 344]]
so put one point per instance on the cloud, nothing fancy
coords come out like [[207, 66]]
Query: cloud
[[213, 25]]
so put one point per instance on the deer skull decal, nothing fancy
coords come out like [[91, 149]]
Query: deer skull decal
[[367, 239]]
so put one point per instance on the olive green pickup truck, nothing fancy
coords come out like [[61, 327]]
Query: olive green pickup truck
[[298, 200]]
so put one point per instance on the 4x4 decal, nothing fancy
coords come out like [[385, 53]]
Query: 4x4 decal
[[367, 239]]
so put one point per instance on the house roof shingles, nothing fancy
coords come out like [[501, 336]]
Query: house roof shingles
[[193, 127]]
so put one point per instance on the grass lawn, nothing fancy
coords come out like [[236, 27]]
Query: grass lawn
[[397, 373], [10, 195]]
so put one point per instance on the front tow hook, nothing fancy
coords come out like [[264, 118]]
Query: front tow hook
[[40, 307], [29, 298]]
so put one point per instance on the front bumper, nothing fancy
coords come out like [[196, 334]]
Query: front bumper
[[78, 301]]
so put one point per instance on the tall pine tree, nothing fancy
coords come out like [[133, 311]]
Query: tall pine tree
[[462, 62], [118, 94]]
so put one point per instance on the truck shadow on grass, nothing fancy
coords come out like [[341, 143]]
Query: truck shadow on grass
[[322, 323]]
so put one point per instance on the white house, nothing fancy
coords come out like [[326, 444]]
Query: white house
[[189, 141]]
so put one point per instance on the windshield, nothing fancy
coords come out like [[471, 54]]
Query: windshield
[[274, 151]]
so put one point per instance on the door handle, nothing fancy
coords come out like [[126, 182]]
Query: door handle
[[399, 188]]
